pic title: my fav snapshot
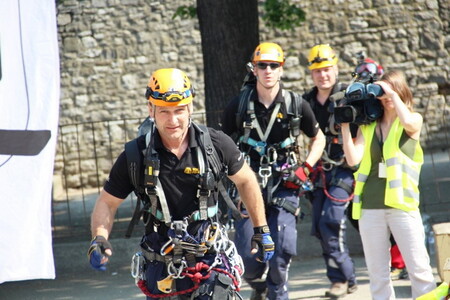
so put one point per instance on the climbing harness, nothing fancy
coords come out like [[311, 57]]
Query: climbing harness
[[179, 253]]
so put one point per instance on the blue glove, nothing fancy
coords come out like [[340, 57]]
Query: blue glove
[[262, 243], [97, 252]]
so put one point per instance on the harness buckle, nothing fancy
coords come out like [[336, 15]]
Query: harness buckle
[[292, 158], [150, 191], [265, 171], [247, 125], [179, 227], [260, 147], [203, 193], [272, 155]]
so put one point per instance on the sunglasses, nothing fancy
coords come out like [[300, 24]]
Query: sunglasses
[[172, 96], [367, 67], [263, 66]]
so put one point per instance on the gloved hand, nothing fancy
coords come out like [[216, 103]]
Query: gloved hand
[[262, 243], [98, 253], [298, 175]]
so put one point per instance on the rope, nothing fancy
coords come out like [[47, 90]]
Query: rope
[[194, 273], [319, 171]]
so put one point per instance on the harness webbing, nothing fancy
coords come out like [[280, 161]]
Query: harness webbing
[[151, 192]]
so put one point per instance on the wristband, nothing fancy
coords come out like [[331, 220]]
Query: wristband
[[261, 229], [307, 168]]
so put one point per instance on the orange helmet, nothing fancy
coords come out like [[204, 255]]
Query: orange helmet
[[268, 52], [321, 56], [169, 87]]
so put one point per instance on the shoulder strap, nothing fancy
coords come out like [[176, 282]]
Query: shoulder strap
[[217, 167], [134, 163], [211, 154], [244, 98], [294, 110]]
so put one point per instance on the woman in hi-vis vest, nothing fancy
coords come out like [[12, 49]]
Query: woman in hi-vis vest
[[386, 198]]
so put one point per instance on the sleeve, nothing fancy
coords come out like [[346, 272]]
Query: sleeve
[[118, 183], [309, 124], [227, 151]]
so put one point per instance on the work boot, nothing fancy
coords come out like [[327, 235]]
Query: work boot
[[352, 287], [337, 289], [258, 294]]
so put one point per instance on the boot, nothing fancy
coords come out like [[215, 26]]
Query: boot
[[337, 289], [258, 294]]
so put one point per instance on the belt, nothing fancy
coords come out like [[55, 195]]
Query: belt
[[281, 202]]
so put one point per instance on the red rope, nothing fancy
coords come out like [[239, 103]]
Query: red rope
[[319, 171], [194, 274]]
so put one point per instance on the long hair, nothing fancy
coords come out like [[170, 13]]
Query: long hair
[[397, 80]]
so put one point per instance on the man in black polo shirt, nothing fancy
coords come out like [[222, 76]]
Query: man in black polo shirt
[[269, 141], [187, 252], [331, 197]]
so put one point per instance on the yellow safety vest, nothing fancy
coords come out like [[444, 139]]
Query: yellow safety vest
[[402, 172]]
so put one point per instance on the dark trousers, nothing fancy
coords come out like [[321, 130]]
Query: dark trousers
[[329, 226], [271, 275]]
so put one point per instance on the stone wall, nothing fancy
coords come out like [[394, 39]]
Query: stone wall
[[109, 48]]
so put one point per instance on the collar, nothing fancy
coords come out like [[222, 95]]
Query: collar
[[278, 98], [191, 138]]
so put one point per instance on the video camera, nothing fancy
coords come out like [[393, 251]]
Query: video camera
[[359, 104]]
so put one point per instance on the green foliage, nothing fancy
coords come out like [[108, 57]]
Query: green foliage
[[185, 12], [279, 14], [282, 15]]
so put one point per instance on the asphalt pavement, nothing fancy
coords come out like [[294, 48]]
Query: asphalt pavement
[[75, 279]]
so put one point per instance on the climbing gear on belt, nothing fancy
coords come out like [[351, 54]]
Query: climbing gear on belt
[[318, 178], [179, 253]]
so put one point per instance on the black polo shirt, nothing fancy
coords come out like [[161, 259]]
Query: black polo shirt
[[180, 188], [280, 129], [322, 113]]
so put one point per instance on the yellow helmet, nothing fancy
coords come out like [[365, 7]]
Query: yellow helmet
[[268, 52], [169, 87], [321, 56]]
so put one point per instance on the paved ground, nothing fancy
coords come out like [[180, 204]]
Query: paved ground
[[76, 280]]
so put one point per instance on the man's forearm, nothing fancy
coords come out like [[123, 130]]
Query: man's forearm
[[254, 204], [317, 146], [102, 217]]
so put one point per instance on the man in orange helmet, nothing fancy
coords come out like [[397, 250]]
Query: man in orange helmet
[[174, 170], [266, 121], [333, 178]]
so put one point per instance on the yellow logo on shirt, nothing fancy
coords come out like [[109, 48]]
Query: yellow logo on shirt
[[191, 170]]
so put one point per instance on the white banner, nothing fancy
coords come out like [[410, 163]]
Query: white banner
[[29, 110]]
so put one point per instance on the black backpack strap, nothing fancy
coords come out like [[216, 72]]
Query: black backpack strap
[[245, 112], [134, 163], [217, 167], [212, 157], [294, 109]]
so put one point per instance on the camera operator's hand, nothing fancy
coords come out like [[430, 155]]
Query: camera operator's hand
[[98, 253], [388, 91], [262, 243], [298, 175]]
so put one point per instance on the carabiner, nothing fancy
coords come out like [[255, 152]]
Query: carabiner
[[137, 265], [167, 247]]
